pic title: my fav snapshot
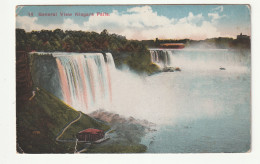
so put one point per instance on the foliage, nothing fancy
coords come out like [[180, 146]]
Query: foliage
[[117, 148], [131, 52], [84, 123], [47, 115]]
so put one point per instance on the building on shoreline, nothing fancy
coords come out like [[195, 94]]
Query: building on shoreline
[[90, 135], [243, 37]]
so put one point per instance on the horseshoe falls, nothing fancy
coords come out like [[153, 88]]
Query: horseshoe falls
[[203, 60]]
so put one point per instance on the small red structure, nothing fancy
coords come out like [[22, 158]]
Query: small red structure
[[172, 45], [90, 135]]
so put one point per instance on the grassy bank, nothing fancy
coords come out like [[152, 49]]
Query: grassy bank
[[117, 148], [40, 120]]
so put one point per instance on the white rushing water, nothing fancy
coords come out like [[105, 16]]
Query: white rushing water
[[85, 79]]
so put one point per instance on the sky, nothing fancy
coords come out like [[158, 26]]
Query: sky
[[143, 21]]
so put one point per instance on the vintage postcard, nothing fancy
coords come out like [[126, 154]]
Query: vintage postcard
[[133, 79]]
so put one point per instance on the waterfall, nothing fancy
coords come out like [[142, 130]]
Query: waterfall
[[82, 80], [160, 57], [201, 59], [110, 60]]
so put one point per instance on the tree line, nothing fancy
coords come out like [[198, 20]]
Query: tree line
[[133, 53], [219, 42]]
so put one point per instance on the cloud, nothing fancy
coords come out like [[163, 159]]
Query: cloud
[[218, 9], [215, 16], [135, 23], [25, 22], [135, 18], [69, 24], [145, 9], [144, 23], [192, 19], [30, 23]]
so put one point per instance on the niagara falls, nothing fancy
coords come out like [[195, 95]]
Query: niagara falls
[[136, 79]]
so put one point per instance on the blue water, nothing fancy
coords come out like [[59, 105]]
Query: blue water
[[213, 107]]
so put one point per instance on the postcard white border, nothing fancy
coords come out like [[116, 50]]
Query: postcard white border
[[7, 79]]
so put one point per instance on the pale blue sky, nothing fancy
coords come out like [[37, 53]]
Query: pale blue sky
[[180, 21]]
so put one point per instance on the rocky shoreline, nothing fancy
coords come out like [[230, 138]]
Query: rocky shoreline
[[167, 69], [126, 132]]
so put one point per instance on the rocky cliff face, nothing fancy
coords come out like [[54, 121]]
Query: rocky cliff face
[[23, 77], [45, 73]]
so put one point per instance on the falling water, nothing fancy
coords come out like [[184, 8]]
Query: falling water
[[85, 78], [160, 57]]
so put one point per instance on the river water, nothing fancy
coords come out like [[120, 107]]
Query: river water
[[205, 109]]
